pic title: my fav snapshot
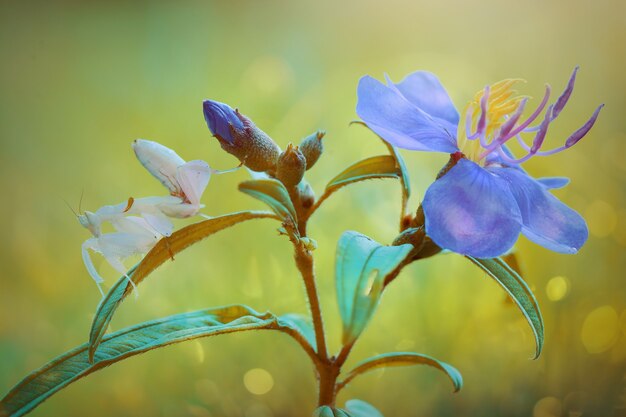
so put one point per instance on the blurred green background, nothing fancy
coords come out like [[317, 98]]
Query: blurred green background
[[80, 80]]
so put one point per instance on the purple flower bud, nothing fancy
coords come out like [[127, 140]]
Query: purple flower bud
[[240, 137], [580, 133], [220, 117]]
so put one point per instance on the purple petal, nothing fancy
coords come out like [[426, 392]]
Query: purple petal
[[219, 117], [553, 183], [546, 221], [399, 122], [472, 212], [424, 90]]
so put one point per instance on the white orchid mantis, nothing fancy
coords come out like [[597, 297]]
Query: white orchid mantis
[[140, 223]]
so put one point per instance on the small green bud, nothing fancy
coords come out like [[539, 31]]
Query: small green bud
[[306, 194], [291, 166], [312, 147]]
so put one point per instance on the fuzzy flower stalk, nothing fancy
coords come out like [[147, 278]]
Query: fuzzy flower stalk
[[483, 199]]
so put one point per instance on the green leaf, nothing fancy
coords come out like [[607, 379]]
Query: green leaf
[[403, 359], [512, 261], [360, 271], [358, 408], [519, 291], [301, 324], [274, 194], [404, 176], [165, 249], [326, 411], [382, 166], [75, 364]]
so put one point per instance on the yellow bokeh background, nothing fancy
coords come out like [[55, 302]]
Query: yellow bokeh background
[[80, 80]]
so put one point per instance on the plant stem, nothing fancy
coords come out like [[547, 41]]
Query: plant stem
[[304, 262], [327, 369], [328, 374]]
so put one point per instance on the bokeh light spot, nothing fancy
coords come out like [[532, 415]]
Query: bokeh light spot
[[548, 407], [258, 381], [557, 288], [601, 218], [600, 330]]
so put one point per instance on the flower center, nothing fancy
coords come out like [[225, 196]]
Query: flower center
[[486, 113], [494, 115]]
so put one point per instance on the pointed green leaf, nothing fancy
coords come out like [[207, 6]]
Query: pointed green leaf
[[519, 291], [75, 364], [404, 175], [403, 359], [360, 271], [382, 166], [165, 249], [274, 194], [512, 261], [358, 408]]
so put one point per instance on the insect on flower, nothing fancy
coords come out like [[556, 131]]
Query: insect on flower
[[186, 181], [484, 199]]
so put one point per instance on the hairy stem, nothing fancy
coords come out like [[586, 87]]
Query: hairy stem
[[304, 262]]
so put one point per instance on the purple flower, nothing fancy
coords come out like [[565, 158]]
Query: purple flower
[[484, 199]]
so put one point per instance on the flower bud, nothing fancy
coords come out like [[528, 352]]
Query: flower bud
[[240, 137], [291, 166], [312, 147], [306, 194]]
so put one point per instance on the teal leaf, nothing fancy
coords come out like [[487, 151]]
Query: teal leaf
[[165, 249], [274, 194], [403, 359], [75, 364], [382, 166], [358, 408], [519, 292], [360, 271], [301, 324], [326, 411]]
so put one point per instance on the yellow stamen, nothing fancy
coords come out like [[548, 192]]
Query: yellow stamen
[[502, 102]]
